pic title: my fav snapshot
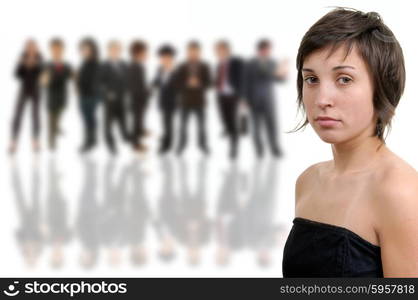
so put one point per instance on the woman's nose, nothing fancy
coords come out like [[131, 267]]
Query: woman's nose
[[325, 96]]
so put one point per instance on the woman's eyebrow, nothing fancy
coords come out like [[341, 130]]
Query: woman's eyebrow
[[334, 69], [342, 67], [308, 70]]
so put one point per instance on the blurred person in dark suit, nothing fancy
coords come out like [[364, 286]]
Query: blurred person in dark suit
[[192, 81], [229, 76], [28, 72], [88, 90], [138, 93], [113, 80], [167, 98], [56, 77], [260, 75]]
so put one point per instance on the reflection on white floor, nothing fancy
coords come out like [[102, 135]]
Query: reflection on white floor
[[130, 219]]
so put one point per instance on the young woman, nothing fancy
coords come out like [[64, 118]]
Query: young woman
[[28, 72], [357, 214]]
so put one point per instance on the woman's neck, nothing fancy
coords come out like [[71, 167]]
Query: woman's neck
[[358, 154]]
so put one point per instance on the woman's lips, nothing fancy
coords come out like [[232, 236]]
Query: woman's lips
[[327, 122]]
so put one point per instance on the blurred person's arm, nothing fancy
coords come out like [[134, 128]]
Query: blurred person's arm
[[45, 77], [282, 71], [206, 78], [245, 83]]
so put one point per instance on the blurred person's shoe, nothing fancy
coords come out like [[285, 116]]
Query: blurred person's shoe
[[86, 147], [35, 146], [205, 150], [260, 153], [113, 151], [163, 149], [277, 153], [140, 148], [12, 147], [233, 154], [146, 133], [179, 151]]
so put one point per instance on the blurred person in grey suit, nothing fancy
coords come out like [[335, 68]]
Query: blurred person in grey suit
[[260, 74]]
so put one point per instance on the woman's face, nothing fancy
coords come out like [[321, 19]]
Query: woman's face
[[338, 95]]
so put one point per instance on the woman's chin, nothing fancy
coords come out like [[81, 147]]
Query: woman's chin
[[331, 137]]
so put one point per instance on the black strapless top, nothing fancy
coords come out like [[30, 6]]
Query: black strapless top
[[315, 249]]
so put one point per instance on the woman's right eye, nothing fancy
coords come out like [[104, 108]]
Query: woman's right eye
[[311, 79]]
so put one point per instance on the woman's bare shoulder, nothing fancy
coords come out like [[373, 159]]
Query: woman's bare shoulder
[[396, 192], [309, 175], [396, 207], [396, 177]]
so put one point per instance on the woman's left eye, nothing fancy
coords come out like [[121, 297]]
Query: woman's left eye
[[344, 80]]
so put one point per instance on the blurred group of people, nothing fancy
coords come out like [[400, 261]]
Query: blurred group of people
[[123, 90]]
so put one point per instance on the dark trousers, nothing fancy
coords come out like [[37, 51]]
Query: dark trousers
[[199, 112], [115, 113], [22, 99], [54, 118], [228, 110], [138, 114], [167, 116], [265, 115], [88, 106]]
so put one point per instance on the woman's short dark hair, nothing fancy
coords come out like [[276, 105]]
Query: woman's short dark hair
[[376, 44]]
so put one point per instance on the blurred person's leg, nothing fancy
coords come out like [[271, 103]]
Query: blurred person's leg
[[256, 123], [36, 127], [167, 120], [185, 113], [136, 127], [17, 120], [271, 126], [223, 113], [88, 110], [54, 117], [120, 118], [231, 113], [108, 119], [201, 122]]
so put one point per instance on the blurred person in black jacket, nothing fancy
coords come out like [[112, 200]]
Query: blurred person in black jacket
[[228, 80], [88, 89], [138, 93], [55, 78], [167, 98], [28, 72], [192, 81], [113, 82]]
